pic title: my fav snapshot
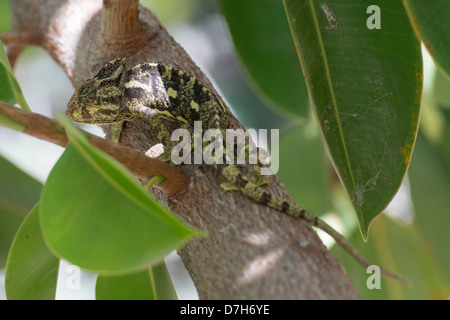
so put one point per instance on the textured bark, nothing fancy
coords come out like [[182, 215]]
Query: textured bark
[[251, 252]]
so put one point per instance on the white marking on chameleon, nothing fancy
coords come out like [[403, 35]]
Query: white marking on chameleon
[[137, 84]]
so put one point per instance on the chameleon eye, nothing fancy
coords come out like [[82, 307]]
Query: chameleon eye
[[112, 69]]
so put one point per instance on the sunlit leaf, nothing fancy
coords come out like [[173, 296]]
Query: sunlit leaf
[[263, 41], [10, 91], [95, 215]]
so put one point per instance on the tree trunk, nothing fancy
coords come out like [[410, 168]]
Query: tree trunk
[[251, 251]]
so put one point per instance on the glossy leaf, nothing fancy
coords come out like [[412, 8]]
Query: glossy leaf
[[431, 21], [262, 39], [365, 86], [18, 194], [31, 270], [95, 215], [151, 284], [10, 91]]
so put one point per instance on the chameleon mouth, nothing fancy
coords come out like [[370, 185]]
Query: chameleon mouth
[[75, 113]]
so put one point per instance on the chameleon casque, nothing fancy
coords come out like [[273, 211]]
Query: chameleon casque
[[156, 91]]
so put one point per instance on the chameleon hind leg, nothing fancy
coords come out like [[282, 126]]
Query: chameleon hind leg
[[253, 173]]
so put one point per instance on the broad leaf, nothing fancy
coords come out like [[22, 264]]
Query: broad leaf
[[10, 90], [431, 21], [262, 39], [31, 270], [365, 86], [95, 215]]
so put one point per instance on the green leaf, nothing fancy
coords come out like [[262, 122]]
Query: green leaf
[[10, 91], [441, 90], [430, 188], [431, 21], [5, 16], [262, 39], [95, 214], [152, 284], [31, 270], [365, 86], [18, 194]]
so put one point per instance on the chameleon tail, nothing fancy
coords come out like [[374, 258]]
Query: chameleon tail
[[259, 195]]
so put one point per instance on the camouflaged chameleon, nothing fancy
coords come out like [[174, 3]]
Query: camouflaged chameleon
[[156, 91]]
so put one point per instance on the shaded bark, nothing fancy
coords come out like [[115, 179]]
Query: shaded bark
[[252, 251]]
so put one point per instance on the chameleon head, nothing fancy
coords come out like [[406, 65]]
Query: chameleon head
[[99, 100]]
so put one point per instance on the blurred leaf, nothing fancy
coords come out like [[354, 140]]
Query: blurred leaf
[[303, 167], [5, 16], [18, 194], [366, 99], [400, 249], [430, 188], [431, 21], [261, 36], [441, 90], [152, 284], [95, 215], [10, 90], [31, 270], [186, 10]]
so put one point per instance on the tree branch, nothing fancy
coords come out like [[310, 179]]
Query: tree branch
[[252, 252], [141, 166]]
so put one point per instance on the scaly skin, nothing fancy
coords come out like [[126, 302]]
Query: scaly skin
[[156, 91]]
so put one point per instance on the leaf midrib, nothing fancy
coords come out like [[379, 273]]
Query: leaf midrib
[[331, 88]]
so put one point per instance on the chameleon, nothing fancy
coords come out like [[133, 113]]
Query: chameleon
[[156, 91]]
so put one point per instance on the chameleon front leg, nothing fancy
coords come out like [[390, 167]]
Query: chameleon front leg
[[115, 130]]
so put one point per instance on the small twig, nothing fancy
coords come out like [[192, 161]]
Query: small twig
[[143, 167], [121, 29], [33, 38]]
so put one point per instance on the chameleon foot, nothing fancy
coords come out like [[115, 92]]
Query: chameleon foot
[[228, 186]]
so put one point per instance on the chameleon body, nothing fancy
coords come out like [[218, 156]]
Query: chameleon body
[[157, 91]]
